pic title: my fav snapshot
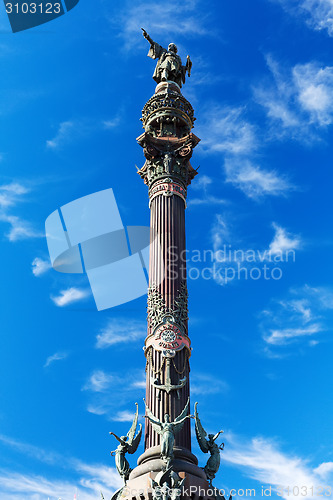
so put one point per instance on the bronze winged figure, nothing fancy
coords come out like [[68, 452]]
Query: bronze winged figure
[[213, 463], [128, 444], [168, 430]]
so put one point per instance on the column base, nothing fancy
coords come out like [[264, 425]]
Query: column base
[[194, 488], [184, 461], [150, 465]]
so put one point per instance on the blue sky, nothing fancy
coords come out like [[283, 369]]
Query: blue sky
[[71, 97]]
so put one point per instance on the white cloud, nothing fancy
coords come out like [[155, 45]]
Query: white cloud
[[299, 102], [141, 384], [100, 381], [11, 195], [203, 384], [120, 331], [162, 19], [283, 241], [286, 335], [64, 134], [69, 296], [110, 392], [254, 181], [87, 479], [47, 457], [202, 183], [15, 486], [77, 129], [123, 416], [301, 314], [40, 266], [232, 261], [318, 14], [324, 470], [262, 460], [58, 356], [314, 86], [111, 123], [20, 229], [225, 129], [220, 232]]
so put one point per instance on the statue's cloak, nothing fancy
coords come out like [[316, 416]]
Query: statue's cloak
[[166, 60]]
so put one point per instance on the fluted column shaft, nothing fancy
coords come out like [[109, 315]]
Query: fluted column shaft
[[168, 269]]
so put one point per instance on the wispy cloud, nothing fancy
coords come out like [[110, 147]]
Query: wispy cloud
[[233, 261], [299, 100], [99, 381], [112, 123], [120, 331], [325, 470], [206, 198], [88, 479], [295, 318], [318, 14], [58, 356], [70, 131], [69, 296], [64, 134], [262, 460], [220, 232], [203, 384], [226, 129], [20, 229], [283, 241], [15, 486], [123, 416], [162, 19], [124, 388], [254, 181], [40, 266], [32, 451], [11, 195]]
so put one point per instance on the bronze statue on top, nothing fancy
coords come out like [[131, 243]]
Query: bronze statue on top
[[169, 65]]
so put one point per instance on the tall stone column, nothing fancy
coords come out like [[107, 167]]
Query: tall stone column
[[167, 469], [168, 142]]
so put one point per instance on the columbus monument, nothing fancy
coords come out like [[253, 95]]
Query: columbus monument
[[167, 469]]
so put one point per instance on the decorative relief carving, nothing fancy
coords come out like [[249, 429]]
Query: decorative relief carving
[[167, 157], [168, 103], [157, 309]]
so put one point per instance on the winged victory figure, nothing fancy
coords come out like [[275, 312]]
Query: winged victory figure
[[128, 444], [213, 463], [167, 430]]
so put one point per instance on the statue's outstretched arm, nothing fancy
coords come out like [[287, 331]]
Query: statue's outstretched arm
[[183, 419], [154, 421], [117, 437], [217, 435], [147, 37], [157, 425]]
